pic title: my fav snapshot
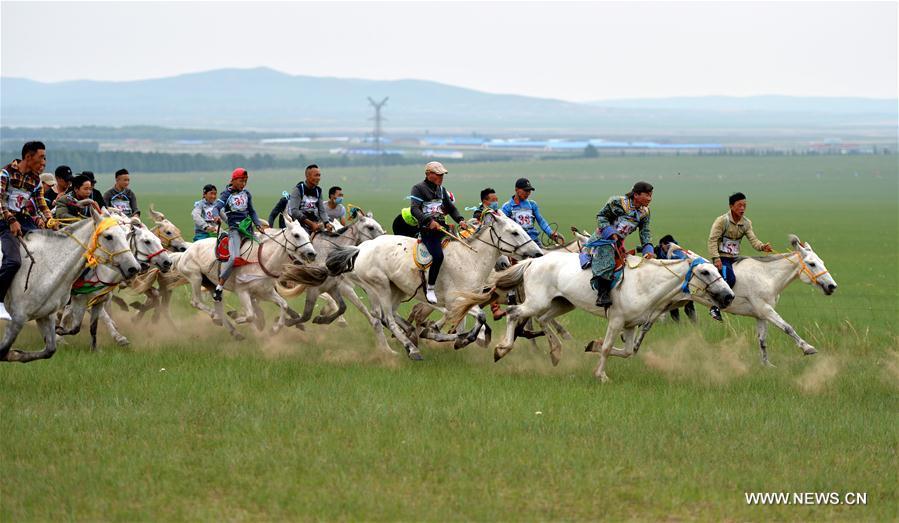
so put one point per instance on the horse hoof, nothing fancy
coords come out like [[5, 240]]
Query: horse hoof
[[319, 320], [555, 358], [217, 321], [808, 351], [603, 378], [498, 354], [460, 343], [123, 342], [232, 314], [415, 356]]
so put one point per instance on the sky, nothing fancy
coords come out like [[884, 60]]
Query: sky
[[572, 51]]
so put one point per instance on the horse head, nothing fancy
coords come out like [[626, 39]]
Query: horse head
[[366, 227], [110, 246], [812, 269], [167, 232], [507, 236], [297, 242], [147, 247], [704, 271]]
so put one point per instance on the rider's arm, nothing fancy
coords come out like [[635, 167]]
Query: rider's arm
[[540, 220], [252, 211], [451, 208], [416, 201], [135, 210], [714, 236], [753, 239], [606, 216], [4, 187], [646, 235], [197, 215], [277, 209], [294, 203]]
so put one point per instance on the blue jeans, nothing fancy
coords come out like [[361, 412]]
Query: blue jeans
[[727, 271], [233, 250]]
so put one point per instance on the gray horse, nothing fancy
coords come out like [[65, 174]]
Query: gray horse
[[51, 262]]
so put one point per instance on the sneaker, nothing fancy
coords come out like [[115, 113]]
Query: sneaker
[[429, 294], [4, 315], [217, 295], [715, 313]]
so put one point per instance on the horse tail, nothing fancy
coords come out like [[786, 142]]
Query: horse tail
[[305, 275], [511, 277], [463, 301], [289, 291], [341, 260]]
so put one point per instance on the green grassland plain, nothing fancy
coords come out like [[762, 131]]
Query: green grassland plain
[[316, 425]]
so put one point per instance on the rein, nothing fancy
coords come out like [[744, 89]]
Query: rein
[[803, 267]]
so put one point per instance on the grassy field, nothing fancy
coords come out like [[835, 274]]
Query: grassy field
[[189, 425]]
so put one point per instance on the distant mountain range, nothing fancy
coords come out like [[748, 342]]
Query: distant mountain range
[[265, 99]]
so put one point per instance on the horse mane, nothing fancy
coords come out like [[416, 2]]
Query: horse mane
[[764, 259]]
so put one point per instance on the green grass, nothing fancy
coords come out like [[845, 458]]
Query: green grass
[[316, 425]]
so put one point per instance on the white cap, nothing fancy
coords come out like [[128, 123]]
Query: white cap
[[435, 167], [48, 178]]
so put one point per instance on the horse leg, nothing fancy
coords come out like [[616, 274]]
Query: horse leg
[[311, 296], [515, 314], [555, 344], [93, 327], [165, 301], [196, 296], [9, 337], [467, 339], [226, 321], [74, 313], [341, 308], [612, 331], [279, 300], [249, 314], [761, 327], [563, 332], [637, 340], [259, 322], [376, 325], [772, 316], [347, 291], [121, 340], [389, 316]]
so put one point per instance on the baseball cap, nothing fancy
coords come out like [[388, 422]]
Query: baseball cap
[[240, 172], [48, 178], [524, 183], [64, 172], [435, 167]]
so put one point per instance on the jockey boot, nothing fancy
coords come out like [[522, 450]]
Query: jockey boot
[[498, 313], [603, 292], [430, 295], [715, 313]]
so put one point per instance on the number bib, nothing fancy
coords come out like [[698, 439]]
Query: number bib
[[310, 204], [122, 204], [624, 226], [208, 213], [433, 208], [524, 217], [238, 202], [730, 247], [17, 199]]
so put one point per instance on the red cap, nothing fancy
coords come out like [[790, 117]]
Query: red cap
[[240, 172]]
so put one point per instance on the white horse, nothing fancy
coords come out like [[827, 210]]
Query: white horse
[[762, 279], [251, 282], [384, 268], [51, 262], [102, 281], [364, 228], [556, 284]]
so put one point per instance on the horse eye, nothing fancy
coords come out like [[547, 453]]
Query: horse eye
[[147, 242], [297, 236], [168, 233], [108, 236], [514, 233], [811, 264], [371, 227]]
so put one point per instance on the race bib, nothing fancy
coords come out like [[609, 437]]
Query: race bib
[[310, 203], [122, 204], [17, 199], [524, 217], [209, 214], [624, 226], [238, 202], [433, 208], [728, 246]]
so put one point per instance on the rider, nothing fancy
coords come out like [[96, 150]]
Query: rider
[[619, 217], [63, 177], [430, 203], [120, 196], [204, 213], [305, 202], [488, 201], [20, 182], [525, 212], [68, 206], [237, 203], [334, 207], [724, 241], [96, 195]]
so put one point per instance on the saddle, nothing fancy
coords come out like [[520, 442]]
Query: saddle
[[585, 258], [223, 251], [422, 258]]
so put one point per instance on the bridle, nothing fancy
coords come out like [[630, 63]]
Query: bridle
[[166, 242], [287, 241], [135, 248], [497, 241]]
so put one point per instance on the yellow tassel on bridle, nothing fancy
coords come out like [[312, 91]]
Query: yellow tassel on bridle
[[94, 243]]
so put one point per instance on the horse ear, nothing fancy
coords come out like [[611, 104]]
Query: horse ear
[[157, 216], [95, 215], [488, 217], [370, 214], [794, 241], [287, 218]]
